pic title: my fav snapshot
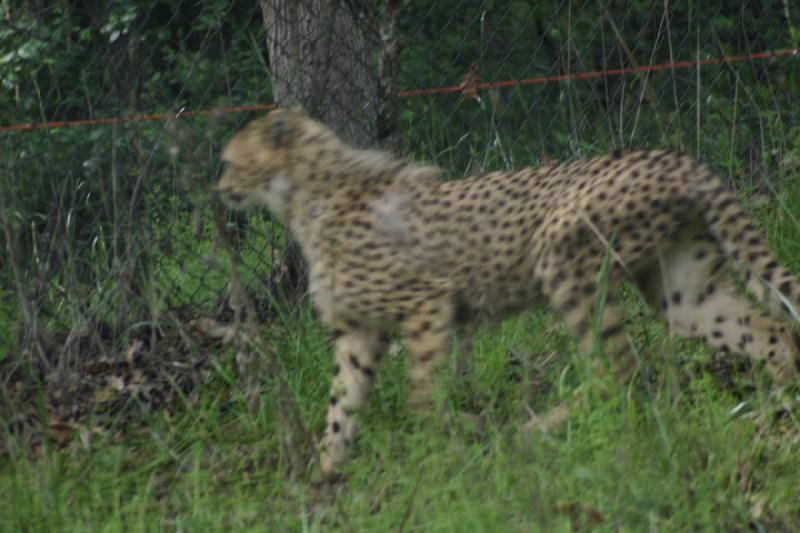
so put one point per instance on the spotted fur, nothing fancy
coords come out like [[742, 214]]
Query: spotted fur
[[392, 247]]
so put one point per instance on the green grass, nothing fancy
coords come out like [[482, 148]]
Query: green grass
[[655, 456]]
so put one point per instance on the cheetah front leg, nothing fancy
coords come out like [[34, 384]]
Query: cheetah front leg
[[428, 333], [357, 354]]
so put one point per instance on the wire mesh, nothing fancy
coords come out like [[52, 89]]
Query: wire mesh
[[106, 215]]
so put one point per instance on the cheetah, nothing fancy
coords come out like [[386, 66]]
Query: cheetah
[[393, 248]]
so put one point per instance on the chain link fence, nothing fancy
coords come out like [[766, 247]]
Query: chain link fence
[[113, 115]]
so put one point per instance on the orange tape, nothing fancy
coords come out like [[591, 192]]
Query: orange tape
[[787, 52], [135, 118], [604, 73]]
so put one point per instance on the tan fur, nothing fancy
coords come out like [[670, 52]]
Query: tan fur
[[391, 247]]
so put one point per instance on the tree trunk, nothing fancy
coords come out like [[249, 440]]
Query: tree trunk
[[323, 60]]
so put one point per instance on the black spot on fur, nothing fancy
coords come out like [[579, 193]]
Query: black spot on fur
[[612, 330], [785, 287], [427, 357]]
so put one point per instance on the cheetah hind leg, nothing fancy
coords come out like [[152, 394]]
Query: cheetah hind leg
[[357, 354], [614, 344], [574, 298], [696, 297]]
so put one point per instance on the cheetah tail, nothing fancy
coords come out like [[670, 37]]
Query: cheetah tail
[[742, 241]]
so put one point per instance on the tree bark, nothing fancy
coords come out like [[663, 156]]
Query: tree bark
[[324, 61], [388, 61]]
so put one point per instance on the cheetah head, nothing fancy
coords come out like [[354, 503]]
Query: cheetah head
[[259, 164]]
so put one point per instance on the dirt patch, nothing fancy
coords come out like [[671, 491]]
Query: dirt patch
[[102, 391]]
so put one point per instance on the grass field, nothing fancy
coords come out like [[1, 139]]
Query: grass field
[[664, 454]]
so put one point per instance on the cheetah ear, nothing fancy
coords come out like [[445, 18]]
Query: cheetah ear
[[278, 132], [283, 126]]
